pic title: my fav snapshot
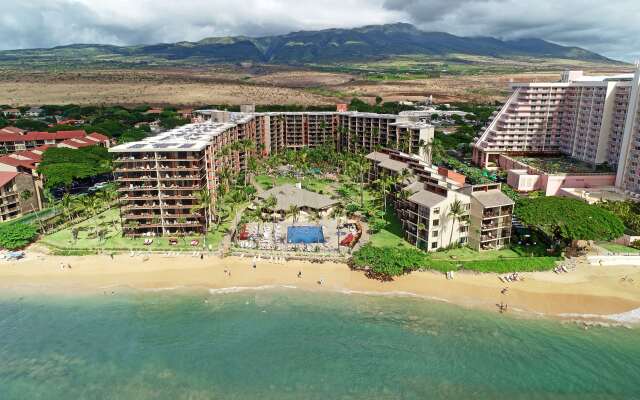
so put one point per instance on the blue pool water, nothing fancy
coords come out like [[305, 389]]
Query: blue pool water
[[305, 234]]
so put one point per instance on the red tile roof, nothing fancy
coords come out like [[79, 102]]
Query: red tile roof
[[6, 177], [30, 136], [12, 130], [78, 143], [98, 136], [26, 159]]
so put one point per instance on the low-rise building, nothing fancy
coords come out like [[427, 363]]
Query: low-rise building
[[10, 143], [438, 209], [12, 113], [34, 112], [17, 195]]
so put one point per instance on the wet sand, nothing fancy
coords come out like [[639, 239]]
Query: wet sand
[[589, 291]]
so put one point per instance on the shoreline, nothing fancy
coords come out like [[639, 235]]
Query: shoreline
[[590, 293]]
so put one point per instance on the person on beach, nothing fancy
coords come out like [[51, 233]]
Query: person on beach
[[504, 290], [254, 264], [299, 274]]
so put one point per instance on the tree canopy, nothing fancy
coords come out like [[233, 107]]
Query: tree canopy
[[31, 125], [61, 166], [628, 211], [569, 219]]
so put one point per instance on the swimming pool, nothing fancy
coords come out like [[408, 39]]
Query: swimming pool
[[305, 234]]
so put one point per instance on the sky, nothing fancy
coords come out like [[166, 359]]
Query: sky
[[608, 27]]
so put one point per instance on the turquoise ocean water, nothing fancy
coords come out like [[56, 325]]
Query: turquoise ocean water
[[288, 344]]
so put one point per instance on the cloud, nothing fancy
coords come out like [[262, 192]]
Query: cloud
[[607, 28]]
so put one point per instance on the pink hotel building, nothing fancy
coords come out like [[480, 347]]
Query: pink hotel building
[[595, 119]]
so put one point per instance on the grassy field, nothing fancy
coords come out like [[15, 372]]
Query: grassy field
[[618, 248], [109, 221], [450, 79], [391, 235]]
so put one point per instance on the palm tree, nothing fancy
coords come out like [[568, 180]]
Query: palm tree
[[203, 203], [384, 184], [438, 152], [91, 204], [225, 179], [66, 202], [360, 166], [294, 211], [252, 168], [403, 176], [426, 147], [456, 211], [26, 195], [337, 213]]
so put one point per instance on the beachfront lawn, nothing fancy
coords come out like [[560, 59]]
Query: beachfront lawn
[[468, 254], [390, 235], [618, 248], [109, 222]]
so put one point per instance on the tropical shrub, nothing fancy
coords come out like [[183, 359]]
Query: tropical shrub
[[569, 219], [386, 262], [15, 236]]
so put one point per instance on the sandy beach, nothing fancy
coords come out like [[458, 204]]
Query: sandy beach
[[589, 292]]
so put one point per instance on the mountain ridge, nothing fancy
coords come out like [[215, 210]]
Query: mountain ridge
[[322, 46]]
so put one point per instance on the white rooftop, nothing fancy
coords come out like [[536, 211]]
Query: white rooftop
[[191, 137]]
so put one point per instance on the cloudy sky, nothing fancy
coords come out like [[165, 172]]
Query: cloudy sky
[[607, 27]]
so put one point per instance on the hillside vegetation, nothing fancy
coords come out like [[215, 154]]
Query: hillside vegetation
[[325, 46]]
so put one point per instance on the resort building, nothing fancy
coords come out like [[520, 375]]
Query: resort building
[[26, 162], [592, 119], [161, 177], [294, 195], [20, 140], [438, 209], [17, 195]]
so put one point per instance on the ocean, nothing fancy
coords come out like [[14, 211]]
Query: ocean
[[292, 344]]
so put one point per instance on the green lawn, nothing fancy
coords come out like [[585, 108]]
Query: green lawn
[[618, 248], [266, 181], [468, 254], [391, 235], [114, 241]]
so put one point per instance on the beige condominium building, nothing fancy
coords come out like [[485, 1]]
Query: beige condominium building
[[594, 119], [161, 178], [17, 195], [438, 209]]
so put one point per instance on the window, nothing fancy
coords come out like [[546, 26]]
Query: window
[[436, 211], [436, 222], [434, 245], [434, 233]]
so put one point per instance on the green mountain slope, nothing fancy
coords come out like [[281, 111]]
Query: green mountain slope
[[325, 46]]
